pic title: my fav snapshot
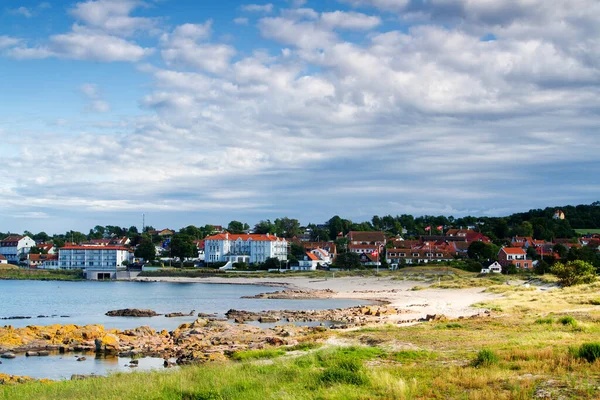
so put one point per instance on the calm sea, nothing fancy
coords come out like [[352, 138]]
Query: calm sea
[[83, 303]]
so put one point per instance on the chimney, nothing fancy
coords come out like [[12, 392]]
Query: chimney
[[227, 236]]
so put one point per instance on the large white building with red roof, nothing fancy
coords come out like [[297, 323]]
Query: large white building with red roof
[[248, 248]]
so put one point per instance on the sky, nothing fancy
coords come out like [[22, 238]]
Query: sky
[[203, 112]]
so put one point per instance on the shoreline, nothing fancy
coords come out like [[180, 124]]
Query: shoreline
[[453, 303]]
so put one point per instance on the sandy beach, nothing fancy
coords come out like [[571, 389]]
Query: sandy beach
[[452, 303]]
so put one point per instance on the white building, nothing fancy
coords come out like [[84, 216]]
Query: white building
[[98, 262], [248, 248], [15, 246]]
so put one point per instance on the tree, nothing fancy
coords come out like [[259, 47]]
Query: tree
[[336, 226], [561, 250], [482, 251], [542, 267], [574, 272], [42, 236], [236, 227], [182, 247], [525, 229], [287, 227], [264, 227], [146, 249], [342, 244], [348, 260]]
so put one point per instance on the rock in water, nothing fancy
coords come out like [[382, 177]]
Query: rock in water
[[132, 312]]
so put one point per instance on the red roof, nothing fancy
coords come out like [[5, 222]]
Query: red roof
[[312, 256], [2, 257], [513, 250], [42, 257], [12, 238], [244, 237], [94, 248]]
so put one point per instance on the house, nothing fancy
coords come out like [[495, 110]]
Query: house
[[98, 262], [15, 247], [96, 242], [369, 259], [200, 247], [162, 232], [559, 214], [3, 259], [328, 247], [420, 255], [466, 235], [310, 262], [248, 248], [42, 261], [515, 256], [491, 267], [47, 248], [372, 238], [122, 241]]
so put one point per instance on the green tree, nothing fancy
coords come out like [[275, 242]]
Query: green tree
[[287, 227], [482, 251], [42, 236], [574, 272], [236, 227], [264, 227], [146, 249], [182, 247], [524, 229], [342, 244], [37, 250], [336, 225], [348, 260], [561, 250]]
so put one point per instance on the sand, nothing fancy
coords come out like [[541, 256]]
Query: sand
[[453, 303]]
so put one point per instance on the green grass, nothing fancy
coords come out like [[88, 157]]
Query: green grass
[[257, 354], [40, 274], [526, 350], [485, 358], [586, 231]]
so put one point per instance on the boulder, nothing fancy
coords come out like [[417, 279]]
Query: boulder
[[132, 312], [8, 355], [108, 344]]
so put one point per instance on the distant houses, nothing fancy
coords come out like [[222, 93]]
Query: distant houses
[[16, 247]]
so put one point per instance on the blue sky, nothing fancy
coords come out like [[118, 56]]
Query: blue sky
[[198, 112]]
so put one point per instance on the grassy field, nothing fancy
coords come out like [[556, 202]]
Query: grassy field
[[586, 231], [12, 272], [528, 348]]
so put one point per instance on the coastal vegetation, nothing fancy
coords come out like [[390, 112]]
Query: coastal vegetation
[[535, 343], [12, 272]]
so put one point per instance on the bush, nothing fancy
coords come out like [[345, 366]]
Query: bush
[[589, 351], [574, 272], [568, 320], [547, 320], [485, 358]]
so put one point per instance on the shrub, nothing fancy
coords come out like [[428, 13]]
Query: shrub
[[589, 351], [547, 320], [574, 272], [257, 354], [568, 320], [485, 358]]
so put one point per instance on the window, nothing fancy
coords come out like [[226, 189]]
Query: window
[[402, 254], [415, 254]]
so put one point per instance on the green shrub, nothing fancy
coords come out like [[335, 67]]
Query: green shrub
[[595, 302], [485, 358], [589, 351], [345, 371], [547, 320], [568, 320]]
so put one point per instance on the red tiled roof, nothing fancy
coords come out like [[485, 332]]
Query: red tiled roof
[[356, 236], [2, 257], [94, 248], [312, 256], [12, 238], [513, 250]]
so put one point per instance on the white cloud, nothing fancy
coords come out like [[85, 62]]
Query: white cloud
[[24, 11], [350, 20], [241, 21], [261, 8], [183, 47], [93, 94], [85, 45], [112, 16], [429, 109], [7, 41]]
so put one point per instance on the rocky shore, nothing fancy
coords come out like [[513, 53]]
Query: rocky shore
[[296, 294]]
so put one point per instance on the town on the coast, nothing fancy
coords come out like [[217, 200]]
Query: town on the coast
[[524, 242]]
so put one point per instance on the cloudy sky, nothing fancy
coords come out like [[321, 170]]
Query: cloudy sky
[[197, 112]]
